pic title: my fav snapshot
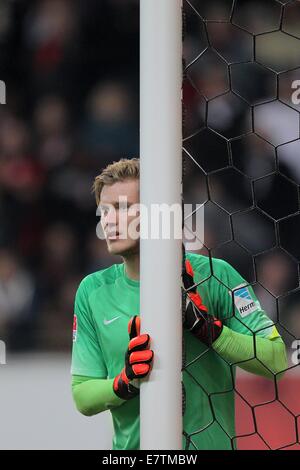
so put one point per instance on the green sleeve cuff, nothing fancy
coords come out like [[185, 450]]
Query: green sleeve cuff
[[92, 396], [261, 356]]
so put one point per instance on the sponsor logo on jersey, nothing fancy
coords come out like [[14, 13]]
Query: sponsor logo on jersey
[[75, 328], [107, 322], [244, 301]]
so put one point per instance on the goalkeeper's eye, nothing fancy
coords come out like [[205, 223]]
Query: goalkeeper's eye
[[123, 206], [103, 211]]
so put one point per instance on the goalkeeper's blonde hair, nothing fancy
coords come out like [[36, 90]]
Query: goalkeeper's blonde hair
[[117, 171]]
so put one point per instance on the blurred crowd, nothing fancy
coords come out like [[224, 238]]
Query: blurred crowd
[[72, 74]]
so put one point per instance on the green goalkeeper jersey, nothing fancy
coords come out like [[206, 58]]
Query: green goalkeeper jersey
[[105, 302]]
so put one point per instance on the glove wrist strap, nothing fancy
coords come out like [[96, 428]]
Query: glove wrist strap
[[124, 390]]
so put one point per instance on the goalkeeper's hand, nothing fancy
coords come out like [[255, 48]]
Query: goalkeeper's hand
[[138, 361], [197, 320]]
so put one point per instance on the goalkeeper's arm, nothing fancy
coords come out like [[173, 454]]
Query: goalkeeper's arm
[[92, 396], [261, 356]]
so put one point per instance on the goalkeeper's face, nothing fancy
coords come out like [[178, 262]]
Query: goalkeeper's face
[[120, 216]]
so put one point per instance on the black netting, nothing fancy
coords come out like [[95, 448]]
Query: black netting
[[242, 161]]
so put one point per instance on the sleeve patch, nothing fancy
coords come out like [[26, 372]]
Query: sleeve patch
[[75, 328], [243, 301]]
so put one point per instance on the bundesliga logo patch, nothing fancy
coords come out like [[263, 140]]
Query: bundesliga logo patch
[[75, 328], [244, 302]]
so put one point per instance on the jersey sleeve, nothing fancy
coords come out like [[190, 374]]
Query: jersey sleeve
[[87, 357], [238, 306]]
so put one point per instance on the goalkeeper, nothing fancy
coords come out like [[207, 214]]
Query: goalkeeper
[[224, 326]]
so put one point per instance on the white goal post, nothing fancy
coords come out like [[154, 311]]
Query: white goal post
[[161, 183]]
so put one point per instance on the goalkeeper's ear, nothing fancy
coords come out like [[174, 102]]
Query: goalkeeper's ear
[[134, 327]]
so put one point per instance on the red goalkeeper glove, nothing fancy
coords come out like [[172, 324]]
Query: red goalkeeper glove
[[138, 359], [197, 320]]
